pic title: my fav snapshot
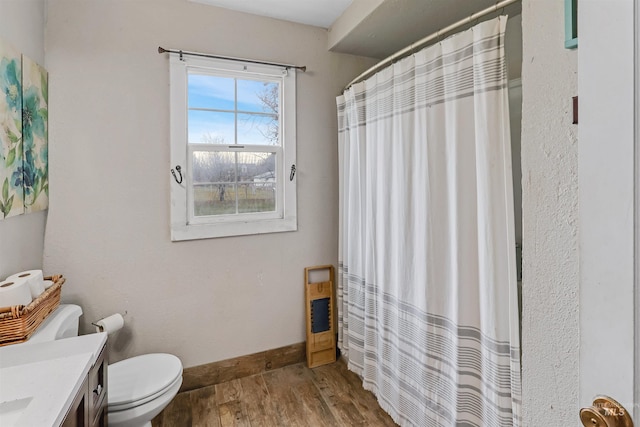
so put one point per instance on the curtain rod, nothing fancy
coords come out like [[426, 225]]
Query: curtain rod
[[422, 42], [302, 68]]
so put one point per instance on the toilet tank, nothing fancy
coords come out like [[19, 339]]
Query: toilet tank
[[62, 323]]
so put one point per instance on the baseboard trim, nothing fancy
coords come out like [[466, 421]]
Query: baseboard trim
[[238, 367]]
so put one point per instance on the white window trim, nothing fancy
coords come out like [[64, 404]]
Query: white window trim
[[181, 229]]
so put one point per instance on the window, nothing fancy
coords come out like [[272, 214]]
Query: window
[[233, 136]]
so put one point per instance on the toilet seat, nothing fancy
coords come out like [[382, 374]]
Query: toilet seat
[[140, 416], [138, 380]]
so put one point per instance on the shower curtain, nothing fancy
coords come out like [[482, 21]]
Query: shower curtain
[[427, 291]]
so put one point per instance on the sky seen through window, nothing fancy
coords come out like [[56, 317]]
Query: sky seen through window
[[212, 110]]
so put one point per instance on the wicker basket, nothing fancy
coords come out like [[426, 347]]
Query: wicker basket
[[19, 322]]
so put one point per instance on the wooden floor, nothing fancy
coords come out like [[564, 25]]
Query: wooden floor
[[328, 395]]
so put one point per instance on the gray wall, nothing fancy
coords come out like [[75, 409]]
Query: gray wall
[[22, 237], [550, 322], [108, 230]]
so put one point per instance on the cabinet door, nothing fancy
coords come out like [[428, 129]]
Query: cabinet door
[[78, 414], [98, 391]]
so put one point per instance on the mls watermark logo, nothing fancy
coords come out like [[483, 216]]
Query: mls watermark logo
[[611, 411]]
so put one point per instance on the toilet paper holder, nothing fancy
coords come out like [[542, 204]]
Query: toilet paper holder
[[110, 324]]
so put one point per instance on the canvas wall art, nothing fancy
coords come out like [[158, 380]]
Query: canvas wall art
[[11, 144], [24, 164], [34, 136]]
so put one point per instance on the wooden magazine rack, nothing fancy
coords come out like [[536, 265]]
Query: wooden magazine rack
[[321, 328]]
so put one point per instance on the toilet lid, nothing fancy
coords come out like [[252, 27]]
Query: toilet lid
[[135, 379]]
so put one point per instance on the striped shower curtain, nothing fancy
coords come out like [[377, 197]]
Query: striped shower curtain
[[427, 291]]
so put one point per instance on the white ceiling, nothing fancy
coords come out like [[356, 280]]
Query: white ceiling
[[374, 28], [321, 13]]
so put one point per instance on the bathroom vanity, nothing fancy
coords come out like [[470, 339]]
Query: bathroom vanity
[[89, 407], [57, 383]]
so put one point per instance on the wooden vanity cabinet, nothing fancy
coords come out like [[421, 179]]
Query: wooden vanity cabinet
[[98, 391], [89, 408], [78, 415]]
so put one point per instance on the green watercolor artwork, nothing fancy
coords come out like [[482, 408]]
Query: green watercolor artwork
[[24, 164], [34, 134], [11, 144]]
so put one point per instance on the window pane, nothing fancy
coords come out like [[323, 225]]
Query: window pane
[[214, 176], [256, 167], [256, 182], [258, 97], [258, 197], [214, 199], [211, 127], [223, 179], [258, 129], [211, 92], [213, 167]]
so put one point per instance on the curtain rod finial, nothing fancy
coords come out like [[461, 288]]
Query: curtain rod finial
[[304, 68], [161, 49]]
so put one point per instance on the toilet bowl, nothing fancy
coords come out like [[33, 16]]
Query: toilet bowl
[[138, 388]]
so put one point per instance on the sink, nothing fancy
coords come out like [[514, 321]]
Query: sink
[[40, 393], [11, 410], [38, 382]]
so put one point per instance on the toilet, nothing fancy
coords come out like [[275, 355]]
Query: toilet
[[139, 388]]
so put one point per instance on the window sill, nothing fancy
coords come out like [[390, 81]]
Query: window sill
[[180, 232]]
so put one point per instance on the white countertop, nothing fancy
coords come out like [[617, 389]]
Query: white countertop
[[38, 382]]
